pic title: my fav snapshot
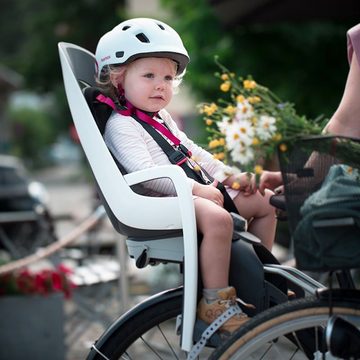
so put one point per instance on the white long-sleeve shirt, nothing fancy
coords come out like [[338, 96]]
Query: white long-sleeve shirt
[[136, 150]]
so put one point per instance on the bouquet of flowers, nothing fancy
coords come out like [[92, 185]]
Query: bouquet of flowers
[[250, 123], [44, 282]]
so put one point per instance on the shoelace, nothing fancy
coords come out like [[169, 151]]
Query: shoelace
[[234, 301]]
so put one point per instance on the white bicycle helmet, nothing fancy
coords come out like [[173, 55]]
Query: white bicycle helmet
[[137, 38]]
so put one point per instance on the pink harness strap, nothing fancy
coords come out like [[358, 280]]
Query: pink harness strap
[[131, 110]]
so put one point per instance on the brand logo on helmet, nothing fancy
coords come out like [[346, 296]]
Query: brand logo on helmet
[[106, 58]]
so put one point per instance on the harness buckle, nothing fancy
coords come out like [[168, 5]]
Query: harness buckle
[[185, 150], [177, 157]]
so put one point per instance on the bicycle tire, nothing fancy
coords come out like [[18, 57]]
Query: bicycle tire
[[137, 334], [273, 334]]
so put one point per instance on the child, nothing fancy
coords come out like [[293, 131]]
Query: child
[[139, 63]]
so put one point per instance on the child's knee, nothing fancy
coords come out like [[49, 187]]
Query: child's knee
[[222, 221]]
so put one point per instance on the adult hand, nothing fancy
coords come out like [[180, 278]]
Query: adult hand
[[269, 180]]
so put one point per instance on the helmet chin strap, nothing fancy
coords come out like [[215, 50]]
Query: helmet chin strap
[[131, 109]]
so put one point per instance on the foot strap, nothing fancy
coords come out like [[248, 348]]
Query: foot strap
[[211, 329]]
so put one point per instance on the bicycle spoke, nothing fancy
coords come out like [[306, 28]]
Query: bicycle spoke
[[267, 350], [298, 342], [150, 347], [167, 341]]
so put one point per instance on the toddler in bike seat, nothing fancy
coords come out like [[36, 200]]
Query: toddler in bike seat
[[140, 63]]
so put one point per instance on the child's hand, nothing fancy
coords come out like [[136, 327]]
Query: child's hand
[[244, 182], [209, 192]]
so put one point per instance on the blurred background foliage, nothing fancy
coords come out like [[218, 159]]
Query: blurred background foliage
[[303, 62]]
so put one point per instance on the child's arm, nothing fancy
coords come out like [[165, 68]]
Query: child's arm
[[134, 148], [205, 159]]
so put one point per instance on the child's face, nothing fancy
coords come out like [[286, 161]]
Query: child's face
[[148, 83]]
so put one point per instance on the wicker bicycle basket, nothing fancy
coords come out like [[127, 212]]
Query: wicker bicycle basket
[[322, 190]]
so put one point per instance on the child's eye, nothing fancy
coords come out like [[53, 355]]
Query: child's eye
[[169, 78], [149, 75]]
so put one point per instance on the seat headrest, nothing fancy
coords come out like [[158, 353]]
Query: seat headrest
[[101, 112]]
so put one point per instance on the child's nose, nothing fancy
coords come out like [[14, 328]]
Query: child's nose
[[160, 84]]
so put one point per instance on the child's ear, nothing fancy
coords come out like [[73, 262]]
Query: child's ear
[[117, 77]]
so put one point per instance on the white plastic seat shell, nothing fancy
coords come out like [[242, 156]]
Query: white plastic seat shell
[[130, 208]]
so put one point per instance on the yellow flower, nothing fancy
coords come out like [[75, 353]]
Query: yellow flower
[[282, 147], [255, 141], [254, 120], [230, 110], [258, 169], [219, 156], [240, 98], [222, 141], [249, 84], [209, 109], [235, 185], [214, 143], [224, 77], [225, 86], [254, 99], [208, 122], [277, 137]]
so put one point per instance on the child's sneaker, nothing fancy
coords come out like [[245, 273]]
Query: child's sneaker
[[208, 312]]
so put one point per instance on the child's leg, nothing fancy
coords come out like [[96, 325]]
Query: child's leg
[[216, 225], [258, 208]]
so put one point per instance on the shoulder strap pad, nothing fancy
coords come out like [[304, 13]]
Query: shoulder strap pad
[[100, 110]]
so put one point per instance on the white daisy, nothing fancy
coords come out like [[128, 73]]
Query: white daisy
[[266, 127]]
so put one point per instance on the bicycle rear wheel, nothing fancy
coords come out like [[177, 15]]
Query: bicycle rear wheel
[[294, 330], [146, 332]]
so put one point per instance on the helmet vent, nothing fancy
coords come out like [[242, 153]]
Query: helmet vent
[[142, 38], [119, 54], [126, 27], [161, 27]]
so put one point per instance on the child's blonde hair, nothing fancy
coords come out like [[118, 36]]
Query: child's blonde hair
[[115, 70]]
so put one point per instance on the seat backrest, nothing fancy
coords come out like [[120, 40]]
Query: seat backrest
[[82, 63]]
